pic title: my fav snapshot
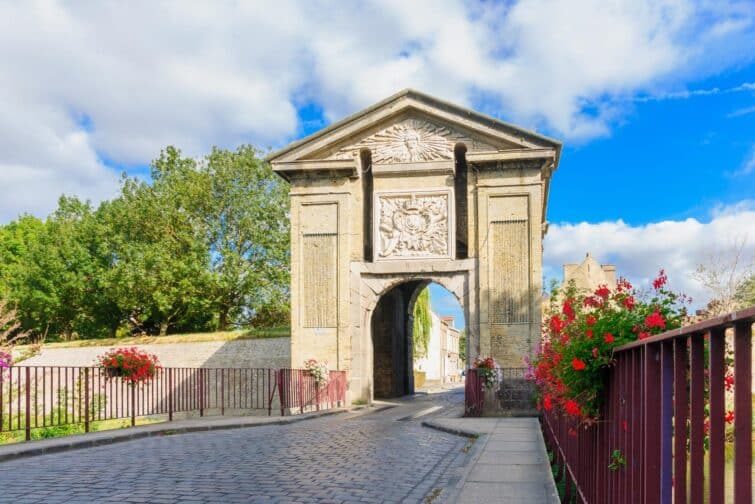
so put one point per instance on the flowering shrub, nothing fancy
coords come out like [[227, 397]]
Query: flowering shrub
[[317, 370], [580, 333], [487, 369], [6, 360], [131, 364]]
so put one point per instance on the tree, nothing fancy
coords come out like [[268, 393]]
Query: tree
[[242, 212], [723, 274], [159, 271], [463, 345], [422, 324]]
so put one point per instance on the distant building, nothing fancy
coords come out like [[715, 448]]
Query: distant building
[[442, 362], [590, 274]]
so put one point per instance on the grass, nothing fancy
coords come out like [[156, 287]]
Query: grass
[[273, 332], [67, 430]]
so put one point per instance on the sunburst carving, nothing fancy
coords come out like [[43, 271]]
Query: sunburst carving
[[408, 141]]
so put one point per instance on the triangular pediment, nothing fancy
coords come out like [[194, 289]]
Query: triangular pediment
[[411, 127]]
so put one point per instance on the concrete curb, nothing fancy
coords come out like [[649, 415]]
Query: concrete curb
[[452, 430], [55, 445]]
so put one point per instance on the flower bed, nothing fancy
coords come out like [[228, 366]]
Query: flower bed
[[580, 333], [131, 364]]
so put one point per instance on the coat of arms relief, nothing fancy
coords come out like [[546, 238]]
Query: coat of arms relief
[[413, 225]]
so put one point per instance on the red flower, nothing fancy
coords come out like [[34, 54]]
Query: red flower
[[595, 353], [588, 333], [608, 337], [628, 302], [623, 285], [644, 335], [572, 408], [572, 432], [729, 418], [591, 320], [578, 364], [547, 402], [661, 280], [729, 380], [557, 325], [568, 310], [603, 291], [655, 320]]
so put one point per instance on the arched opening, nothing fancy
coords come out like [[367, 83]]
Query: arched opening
[[418, 339]]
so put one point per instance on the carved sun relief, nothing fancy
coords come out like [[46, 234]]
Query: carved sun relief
[[413, 225], [408, 141]]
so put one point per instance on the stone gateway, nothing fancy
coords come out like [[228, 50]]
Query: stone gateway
[[410, 191]]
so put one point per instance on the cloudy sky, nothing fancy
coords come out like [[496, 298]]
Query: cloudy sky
[[654, 100]]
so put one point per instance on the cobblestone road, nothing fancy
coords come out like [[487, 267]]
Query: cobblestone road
[[376, 457]]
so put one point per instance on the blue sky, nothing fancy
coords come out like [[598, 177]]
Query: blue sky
[[653, 99]]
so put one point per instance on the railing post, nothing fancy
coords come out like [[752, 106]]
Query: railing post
[[132, 386], [696, 418], [681, 414], [300, 374], [743, 412], [201, 392], [170, 394], [716, 455], [652, 420], [222, 391], [28, 403], [86, 399]]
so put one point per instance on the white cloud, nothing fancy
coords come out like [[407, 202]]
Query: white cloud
[[639, 251], [149, 74]]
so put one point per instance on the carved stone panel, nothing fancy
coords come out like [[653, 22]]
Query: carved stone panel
[[413, 225], [410, 141], [509, 286]]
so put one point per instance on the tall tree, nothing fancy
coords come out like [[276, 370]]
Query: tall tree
[[159, 271], [243, 208]]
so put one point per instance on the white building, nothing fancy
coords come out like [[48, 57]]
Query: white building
[[442, 362]]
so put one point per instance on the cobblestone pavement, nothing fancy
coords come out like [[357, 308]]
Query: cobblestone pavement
[[383, 456]]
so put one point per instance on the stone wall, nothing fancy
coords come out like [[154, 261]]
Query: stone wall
[[251, 353]]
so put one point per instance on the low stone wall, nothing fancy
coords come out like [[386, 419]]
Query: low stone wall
[[246, 353]]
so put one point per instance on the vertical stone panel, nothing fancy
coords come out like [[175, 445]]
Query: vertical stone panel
[[319, 265], [319, 280], [510, 282]]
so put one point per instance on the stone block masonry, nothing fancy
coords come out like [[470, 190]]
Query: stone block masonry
[[247, 353]]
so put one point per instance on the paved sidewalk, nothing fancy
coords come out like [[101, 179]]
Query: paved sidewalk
[[509, 462], [63, 443]]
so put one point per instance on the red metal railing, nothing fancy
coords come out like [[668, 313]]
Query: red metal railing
[[298, 390], [474, 394], [33, 397], [654, 421]]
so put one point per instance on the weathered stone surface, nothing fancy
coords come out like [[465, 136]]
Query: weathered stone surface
[[425, 171]]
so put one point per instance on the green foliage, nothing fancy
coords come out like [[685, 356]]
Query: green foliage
[[745, 295], [204, 246], [422, 324], [617, 460], [463, 345]]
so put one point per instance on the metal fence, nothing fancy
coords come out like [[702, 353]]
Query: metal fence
[[654, 426], [33, 397], [513, 393]]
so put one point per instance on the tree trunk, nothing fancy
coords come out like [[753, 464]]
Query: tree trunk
[[163, 328], [223, 319]]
